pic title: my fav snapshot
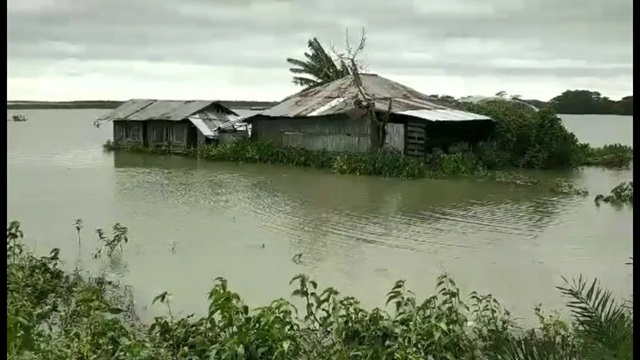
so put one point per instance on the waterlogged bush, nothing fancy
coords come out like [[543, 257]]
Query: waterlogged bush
[[460, 161], [532, 139], [52, 314], [135, 147], [612, 156], [386, 163], [620, 195]]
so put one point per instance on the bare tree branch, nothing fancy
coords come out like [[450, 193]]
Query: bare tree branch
[[351, 57]]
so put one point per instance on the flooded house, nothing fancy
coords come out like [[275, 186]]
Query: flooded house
[[175, 125], [336, 117]]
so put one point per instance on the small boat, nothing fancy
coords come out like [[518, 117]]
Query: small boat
[[19, 118]]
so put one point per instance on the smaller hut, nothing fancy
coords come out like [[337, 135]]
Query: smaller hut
[[174, 125]]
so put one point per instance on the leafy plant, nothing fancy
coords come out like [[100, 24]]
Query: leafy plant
[[620, 195], [113, 244], [53, 314]]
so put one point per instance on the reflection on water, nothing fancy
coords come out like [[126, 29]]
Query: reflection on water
[[191, 221]]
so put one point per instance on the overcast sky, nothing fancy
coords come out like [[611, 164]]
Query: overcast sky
[[236, 49]]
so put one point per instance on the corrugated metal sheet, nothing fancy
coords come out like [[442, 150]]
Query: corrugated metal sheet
[[211, 120], [338, 97], [444, 115], [204, 129], [232, 123], [167, 110]]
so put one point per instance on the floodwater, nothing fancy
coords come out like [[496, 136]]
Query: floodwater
[[191, 221]]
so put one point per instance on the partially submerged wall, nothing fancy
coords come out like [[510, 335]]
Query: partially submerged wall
[[232, 136], [331, 133], [128, 132], [161, 134]]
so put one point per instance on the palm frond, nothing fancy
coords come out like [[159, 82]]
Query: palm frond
[[318, 65], [605, 325], [306, 82], [532, 346]]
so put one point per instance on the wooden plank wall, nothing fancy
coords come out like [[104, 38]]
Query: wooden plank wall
[[415, 138]]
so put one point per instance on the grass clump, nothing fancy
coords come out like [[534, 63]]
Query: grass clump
[[53, 314], [615, 156], [564, 187], [385, 163]]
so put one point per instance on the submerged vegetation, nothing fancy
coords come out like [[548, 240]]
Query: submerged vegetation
[[53, 314], [17, 118], [620, 195]]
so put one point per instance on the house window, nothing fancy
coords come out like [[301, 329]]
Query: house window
[[134, 131]]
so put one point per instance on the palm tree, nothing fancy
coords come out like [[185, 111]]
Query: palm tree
[[319, 68]]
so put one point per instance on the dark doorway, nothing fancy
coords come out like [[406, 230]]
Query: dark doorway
[[192, 136], [145, 134]]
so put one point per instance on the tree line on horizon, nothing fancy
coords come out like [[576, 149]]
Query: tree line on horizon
[[577, 102]]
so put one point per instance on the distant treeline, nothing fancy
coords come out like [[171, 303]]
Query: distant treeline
[[572, 102], [569, 102], [590, 102], [112, 104]]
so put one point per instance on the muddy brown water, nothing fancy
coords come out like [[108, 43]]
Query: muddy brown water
[[191, 221]]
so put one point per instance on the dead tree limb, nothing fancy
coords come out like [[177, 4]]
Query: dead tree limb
[[350, 57]]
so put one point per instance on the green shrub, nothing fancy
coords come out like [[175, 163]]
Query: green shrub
[[620, 195], [526, 138], [615, 156], [52, 314]]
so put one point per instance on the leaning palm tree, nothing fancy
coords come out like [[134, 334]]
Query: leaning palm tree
[[318, 68]]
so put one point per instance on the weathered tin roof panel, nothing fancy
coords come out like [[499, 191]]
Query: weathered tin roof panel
[[338, 97], [168, 110], [202, 126], [445, 115]]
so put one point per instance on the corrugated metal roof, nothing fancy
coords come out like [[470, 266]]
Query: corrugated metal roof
[[239, 121], [338, 97], [204, 128], [168, 110], [209, 121]]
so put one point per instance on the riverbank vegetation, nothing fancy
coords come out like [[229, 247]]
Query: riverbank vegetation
[[53, 314]]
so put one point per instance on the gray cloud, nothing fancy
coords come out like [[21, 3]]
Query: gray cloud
[[570, 39]]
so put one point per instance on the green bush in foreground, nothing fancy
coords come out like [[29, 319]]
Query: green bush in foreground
[[52, 314]]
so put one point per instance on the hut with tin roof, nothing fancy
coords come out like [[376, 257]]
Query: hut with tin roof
[[174, 125], [336, 117]]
